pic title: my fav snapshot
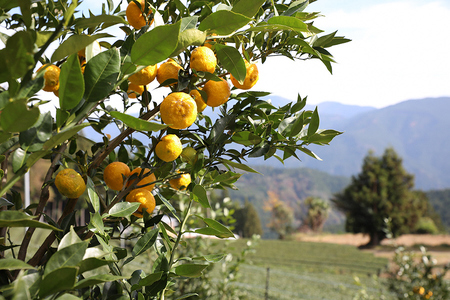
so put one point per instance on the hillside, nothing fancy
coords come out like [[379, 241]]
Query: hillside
[[415, 128], [291, 185], [440, 200]]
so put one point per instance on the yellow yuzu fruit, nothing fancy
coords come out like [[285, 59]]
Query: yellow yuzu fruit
[[144, 197], [203, 59], [145, 179], [251, 77], [178, 110], [169, 148], [135, 16], [181, 182], [51, 77], [112, 175], [134, 90], [144, 76], [70, 183], [218, 92], [201, 105], [168, 70]]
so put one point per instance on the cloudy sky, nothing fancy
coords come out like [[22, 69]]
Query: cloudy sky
[[399, 51]]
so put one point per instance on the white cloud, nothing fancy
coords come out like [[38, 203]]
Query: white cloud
[[399, 52]]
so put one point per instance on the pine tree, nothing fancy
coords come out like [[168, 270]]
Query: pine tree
[[382, 190]]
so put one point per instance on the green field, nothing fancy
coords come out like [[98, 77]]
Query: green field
[[304, 270]]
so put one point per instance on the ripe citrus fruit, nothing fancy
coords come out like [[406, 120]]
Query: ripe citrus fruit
[[135, 16], [145, 198], [134, 90], [201, 105], [51, 77], [144, 76], [145, 179], [189, 155], [112, 175], [168, 70], [207, 42], [169, 148], [181, 182], [178, 110], [70, 183], [251, 77], [203, 59], [218, 92]]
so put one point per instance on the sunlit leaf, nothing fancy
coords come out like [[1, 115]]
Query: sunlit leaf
[[14, 264], [248, 8], [145, 242], [59, 280], [190, 270], [199, 195], [123, 209], [136, 123], [223, 22], [17, 116], [68, 256], [74, 44], [232, 61], [71, 83], [14, 218], [97, 279]]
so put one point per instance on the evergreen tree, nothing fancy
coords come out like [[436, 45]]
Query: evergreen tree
[[382, 190], [247, 221], [318, 210]]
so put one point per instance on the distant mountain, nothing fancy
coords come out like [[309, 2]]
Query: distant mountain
[[416, 129]]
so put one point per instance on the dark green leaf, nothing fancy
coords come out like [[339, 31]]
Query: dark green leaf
[[223, 22], [74, 44], [93, 197], [296, 6], [18, 54], [156, 45], [136, 123], [246, 138], [291, 22], [71, 83], [190, 270], [123, 209], [14, 264], [92, 263], [238, 166], [260, 151], [94, 21], [33, 138], [215, 228], [18, 159], [97, 279], [101, 74], [147, 280], [59, 280], [14, 218], [199, 195], [145, 242], [17, 116], [169, 206], [232, 61], [69, 256], [314, 123], [227, 177]]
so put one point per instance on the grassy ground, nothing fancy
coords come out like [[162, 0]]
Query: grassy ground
[[308, 270]]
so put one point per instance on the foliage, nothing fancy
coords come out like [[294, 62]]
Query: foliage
[[382, 190], [440, 201], [416, 276], [426, 225], [317, 213], [247, 221], [254, 30], [282, 216]]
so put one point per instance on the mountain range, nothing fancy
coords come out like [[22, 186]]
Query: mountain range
[[416, 129]]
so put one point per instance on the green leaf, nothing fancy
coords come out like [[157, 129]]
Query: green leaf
[[291, 22], [34, 138], [63, 136], [68, 14], [123, 209], [14, 264], [169, 206], [156, 45], [238, 166], [18, 54], [215, 228], [96, 223], [185, 296], [93, 197], [136, 123], [14, 218], [248, 8], [227, 177], [199, 195], [68, 297], [17, 116], [246, 138], [59, 280], [101, 74], [18, 159], [74, 44], [147, 280], [92, 263], [69, 256], [232, 61], [21, 287], [310, 153], [213, 258], [94, 21], [70, 238], [296, 6], [145, 242], [71, 83], [223, 22], [314, 123], [190, 270], [97, 279]]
